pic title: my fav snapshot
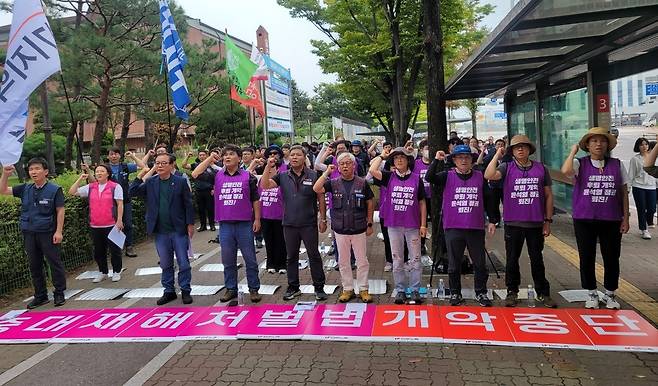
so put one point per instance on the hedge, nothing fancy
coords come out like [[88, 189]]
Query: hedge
[[76, 246]]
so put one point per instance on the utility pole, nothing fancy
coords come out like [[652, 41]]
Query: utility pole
[[47, 131]]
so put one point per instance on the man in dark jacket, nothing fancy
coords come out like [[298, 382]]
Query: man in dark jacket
[[170, 217]]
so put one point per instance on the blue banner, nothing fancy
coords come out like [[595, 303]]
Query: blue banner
[[277, 68], [174, 55]]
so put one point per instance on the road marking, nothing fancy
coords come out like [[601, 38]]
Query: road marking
[[146, 372], [632, 295], [29, 363], [50, 350]]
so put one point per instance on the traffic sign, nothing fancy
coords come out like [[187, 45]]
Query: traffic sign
[[651, 89]]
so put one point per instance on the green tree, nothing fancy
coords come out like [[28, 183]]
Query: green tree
[[330, 101], [222, 121], [300, 101], [473, 105], [376, 49]]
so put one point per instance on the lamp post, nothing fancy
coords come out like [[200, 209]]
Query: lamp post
[[309, 108]]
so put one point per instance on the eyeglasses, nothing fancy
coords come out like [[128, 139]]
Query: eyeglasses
[[162, 163]]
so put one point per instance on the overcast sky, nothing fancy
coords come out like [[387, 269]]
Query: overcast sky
[[289, 38]]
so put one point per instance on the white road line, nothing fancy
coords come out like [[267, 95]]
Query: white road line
[[29, 363], [146, 372], [50, 350], [161, 359]]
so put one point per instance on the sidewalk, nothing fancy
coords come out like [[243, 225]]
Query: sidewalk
[[296, 362]]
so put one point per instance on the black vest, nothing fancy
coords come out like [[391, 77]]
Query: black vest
[[123, 178], [38, 208], [348, 212]]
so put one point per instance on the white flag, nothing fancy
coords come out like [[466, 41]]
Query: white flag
[[262, 73], [31, 58]]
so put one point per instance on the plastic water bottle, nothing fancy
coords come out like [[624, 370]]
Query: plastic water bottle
[[531, 296], [442, 290], [240, 297], [323, 249], [430, 296]]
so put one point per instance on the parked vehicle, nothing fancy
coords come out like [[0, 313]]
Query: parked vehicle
[[649, 122]]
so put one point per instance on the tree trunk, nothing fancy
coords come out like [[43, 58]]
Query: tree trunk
[[474, 124], [101, 119], [173, 135], [127, 115], [148, 135], [70, 136]]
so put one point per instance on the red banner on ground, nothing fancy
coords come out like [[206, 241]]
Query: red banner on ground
[[528, 327]]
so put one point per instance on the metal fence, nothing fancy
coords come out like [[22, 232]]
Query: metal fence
[[14, 269]]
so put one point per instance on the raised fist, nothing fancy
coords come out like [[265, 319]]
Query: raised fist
[[84, 176], [9, 169], [330, 169], [440, 155], [271, 162], [128, 154]]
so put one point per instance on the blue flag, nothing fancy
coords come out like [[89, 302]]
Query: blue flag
[[174, 55]]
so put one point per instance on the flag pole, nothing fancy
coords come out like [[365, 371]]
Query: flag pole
[[77, 137], [166, 84], [47, 131]]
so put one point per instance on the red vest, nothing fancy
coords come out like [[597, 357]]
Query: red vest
[[102, 209]]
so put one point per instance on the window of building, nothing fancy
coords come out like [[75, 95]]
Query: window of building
[[620, 99], [630, 92], [640, 92]]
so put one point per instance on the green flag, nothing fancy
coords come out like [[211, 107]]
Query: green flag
[[240, 68]]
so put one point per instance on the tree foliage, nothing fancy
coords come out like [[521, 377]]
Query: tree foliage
[[376, 49]]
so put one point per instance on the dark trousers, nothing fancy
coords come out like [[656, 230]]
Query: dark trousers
[[206, 207], [457, 240], [428, 204], [128, 222], [645, 201], [294, 236], [101, 244], [387, 245], [494, 195], [38, 246], [275, 245], [534, 239], [608, 235]]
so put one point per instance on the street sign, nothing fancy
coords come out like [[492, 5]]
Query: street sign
[[651, 89]]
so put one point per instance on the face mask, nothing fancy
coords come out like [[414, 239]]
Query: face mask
[[426, 154]]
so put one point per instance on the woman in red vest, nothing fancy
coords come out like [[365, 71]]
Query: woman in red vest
[[105, 212]]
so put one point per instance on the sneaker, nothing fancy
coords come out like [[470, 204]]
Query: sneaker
[[116, 277], [652, 226], [611, 302], [130, 252], [291, 293], [320, 294], [346, 296], [592, 301], [365, 296], [230, 294], [201, 229], [187, 298], [283, 271], [271, 270], [166, 298], [547, 301], [388, 267], [37, 302], [456, 299], [484, 300], [646, 235], [400, 298], [254, 296], [511, 299], [99, 278], [415, 297], [213, 229], [58, 300]]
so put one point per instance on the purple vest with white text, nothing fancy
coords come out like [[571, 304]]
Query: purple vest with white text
[[523, 193], [232, 199], [597, 194], [401, 208], [271, 203], [463, 201], [420, 168]]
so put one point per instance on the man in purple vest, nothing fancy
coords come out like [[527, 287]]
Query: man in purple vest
[[406, 219], [351, 221], [463, 209], [600, 211], [528, 214], [237, 210]]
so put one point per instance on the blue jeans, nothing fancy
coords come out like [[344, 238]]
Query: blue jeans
[[234, 235], [645, 202], [166, 244]]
